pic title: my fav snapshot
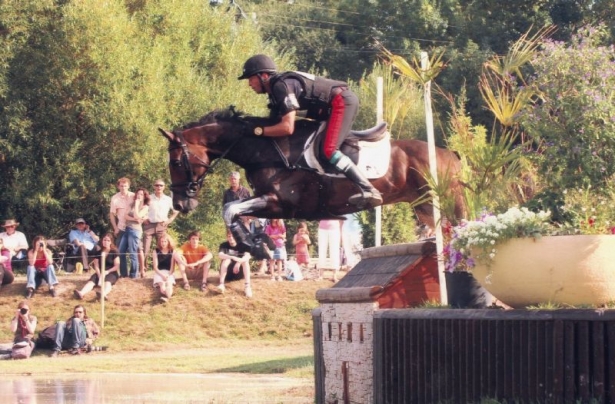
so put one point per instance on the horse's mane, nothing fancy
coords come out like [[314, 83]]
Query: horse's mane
[[227, 115]]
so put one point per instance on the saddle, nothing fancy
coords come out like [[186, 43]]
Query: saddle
[[369, 150]]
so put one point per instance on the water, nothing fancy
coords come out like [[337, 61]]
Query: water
[[149, 388]]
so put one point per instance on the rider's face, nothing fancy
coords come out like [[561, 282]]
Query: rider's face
[[255, 83]]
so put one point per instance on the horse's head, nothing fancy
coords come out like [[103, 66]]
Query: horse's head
[[188, 165]]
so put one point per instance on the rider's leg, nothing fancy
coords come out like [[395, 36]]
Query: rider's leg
[[368, 195], [344, 108]]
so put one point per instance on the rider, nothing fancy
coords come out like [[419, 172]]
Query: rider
[[324, 100]]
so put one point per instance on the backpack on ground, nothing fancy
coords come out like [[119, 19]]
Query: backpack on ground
[[47, 338]]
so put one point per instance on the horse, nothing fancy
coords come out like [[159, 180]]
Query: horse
[[284, 185]]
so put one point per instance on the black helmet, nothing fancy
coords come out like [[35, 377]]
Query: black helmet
[[257, 64]]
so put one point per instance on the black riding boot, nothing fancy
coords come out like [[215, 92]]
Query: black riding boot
[[241, 234], [369, 196]]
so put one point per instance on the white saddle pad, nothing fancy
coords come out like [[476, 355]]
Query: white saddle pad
[[373, 158]]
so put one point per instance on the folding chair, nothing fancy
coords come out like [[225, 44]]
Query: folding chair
[[58, 247]]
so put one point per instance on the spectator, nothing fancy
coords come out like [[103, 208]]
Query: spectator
[[196, 257], [277, 232], [302, 241], [131, 241], [15, 241], [75, 334], [329, 235], [234, 257], [120, 203], [6, 270], [158, 219], [23, 326], [164, 261], [83, 242], [112, 270], [257, 226], [40, 266], [236, 191]]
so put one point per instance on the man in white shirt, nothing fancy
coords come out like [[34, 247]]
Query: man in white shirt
[[15, 241], [158, 221]]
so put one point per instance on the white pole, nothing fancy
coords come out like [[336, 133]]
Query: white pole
[[103, 256], [379, 118], [434, 173]]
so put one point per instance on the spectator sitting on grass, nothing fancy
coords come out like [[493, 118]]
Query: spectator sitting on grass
[[75, 334], [112, 270], [234, 257], [164, 261], [40, 267]]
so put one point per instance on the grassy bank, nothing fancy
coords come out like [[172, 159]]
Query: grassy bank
[[194, 332]]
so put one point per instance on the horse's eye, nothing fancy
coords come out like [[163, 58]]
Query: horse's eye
[[176, 163]]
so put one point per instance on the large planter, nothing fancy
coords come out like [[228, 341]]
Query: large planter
[[570, 270]]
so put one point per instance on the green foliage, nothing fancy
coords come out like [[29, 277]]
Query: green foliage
[[573, 121], [398, 225], [403, 104], [83, 87]]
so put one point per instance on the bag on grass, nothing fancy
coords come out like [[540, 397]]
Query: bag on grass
[[47, 338], [293, 271]]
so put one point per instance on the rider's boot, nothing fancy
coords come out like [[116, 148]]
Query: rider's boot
[[369, 196]]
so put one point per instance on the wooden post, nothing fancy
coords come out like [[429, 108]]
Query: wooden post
[[434, 173]]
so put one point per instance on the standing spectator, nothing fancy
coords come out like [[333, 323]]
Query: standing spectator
[[6, 270], [158, 219], [234, 257], [112, 270], [195, 257], [131, 241], [83, 241], [164, 261], [15, 241], [236, 191], [120, 203], [329, 235], [277, 232], [351, 238], [23, 326], [301, 241], [76, 333], [40, 266]]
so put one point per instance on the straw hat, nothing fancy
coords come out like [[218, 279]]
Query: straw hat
[[10, 222]]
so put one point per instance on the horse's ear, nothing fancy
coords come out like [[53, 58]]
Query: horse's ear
[[168, 135]]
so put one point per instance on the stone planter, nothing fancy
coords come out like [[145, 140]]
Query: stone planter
[[569, 270]]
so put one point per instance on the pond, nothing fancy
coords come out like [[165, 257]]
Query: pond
[[108, 388]]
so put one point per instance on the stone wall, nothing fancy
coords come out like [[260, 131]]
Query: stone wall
[[347, 342]]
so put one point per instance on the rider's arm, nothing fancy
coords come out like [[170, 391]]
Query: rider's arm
[[285, 127]]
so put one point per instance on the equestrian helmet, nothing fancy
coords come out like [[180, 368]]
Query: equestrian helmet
[[258, 64]]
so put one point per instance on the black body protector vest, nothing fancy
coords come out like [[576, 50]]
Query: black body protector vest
[[315, 98]]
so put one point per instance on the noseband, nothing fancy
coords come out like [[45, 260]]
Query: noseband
[[191, 187]]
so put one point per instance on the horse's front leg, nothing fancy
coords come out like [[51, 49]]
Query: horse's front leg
[[233, 210]]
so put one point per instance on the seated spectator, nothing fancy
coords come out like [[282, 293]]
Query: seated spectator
[[40, 267], [83, 242], [195, 257], [15, 241], [277, 232], [75, 334], [234, 257], [112, 268], [6, 270], [164, 261], [23, 326]]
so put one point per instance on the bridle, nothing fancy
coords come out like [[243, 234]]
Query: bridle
[[190, 187]]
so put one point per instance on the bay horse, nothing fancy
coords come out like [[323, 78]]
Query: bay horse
[[283, 184]]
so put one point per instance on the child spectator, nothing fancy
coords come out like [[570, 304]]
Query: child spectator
[[302, 241], [277, 232], [164, 260]]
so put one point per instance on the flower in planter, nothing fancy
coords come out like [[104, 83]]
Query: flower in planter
[[483, 235]]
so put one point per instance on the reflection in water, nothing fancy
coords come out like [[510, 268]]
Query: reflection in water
[[147, 388]]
